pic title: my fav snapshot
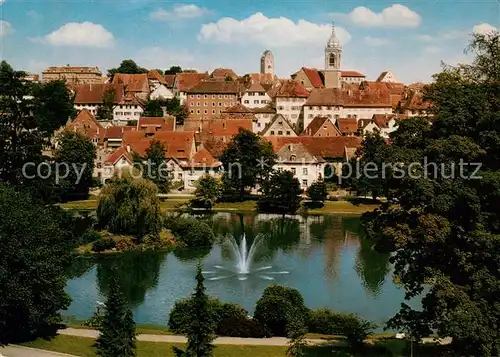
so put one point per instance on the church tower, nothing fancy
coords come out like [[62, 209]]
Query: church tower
[[333, 55], [267, 63]]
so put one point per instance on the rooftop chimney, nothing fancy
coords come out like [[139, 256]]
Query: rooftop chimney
[[128, 148]]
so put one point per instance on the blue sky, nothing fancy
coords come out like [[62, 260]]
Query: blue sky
[[410, 38]]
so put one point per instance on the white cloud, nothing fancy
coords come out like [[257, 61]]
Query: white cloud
[[179, 12], [377, 41], [79, 34], [2, 1], [271, 32], [484, 29], [396, 15], [5, 28], [432, 50], [157, 57]]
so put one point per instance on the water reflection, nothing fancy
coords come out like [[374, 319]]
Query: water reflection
[[137, 273]]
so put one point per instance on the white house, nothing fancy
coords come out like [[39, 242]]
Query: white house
[[388, 77], [255, 96], [263, 117], [289, 100], [278, 126], [306, 167], [129, 108]]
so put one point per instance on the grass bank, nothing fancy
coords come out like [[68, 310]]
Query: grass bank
[[330, 207]]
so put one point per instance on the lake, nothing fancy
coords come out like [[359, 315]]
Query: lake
[[325, 257]]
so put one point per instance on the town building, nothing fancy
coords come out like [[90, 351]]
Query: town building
[[333, 56], [352, 77], [136, 84], [267, 63], [321, 127], [279, 126], [184, 81], [255, 96], [289, 100], [224, 74], [73, 75], [388, 77], [158, 87], [128, 110], [386, 124], [208, 99], [90, 96], [347, 126]]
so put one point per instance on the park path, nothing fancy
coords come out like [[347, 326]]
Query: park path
[[272, 341], [20, 351]]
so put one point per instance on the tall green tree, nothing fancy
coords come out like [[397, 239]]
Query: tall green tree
[[127, 66], [75, 155], [153, 108], [35, 249], [117, 336], [317, 193], [173, 70], [444, 226], [248, 160], [208, 191], [30, 113], [200, 330], [156, 169], [175, 108], [280, 194], [296, 333], [105, 110], [129, 206]]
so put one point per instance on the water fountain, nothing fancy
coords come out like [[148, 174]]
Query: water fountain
[[244, 259]]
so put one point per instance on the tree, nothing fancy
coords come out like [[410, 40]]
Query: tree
[[200, 332], [76, 154], [173, 70], [105, 110], [443, 226], [280, 306], [175, 108], [30, 114], [208, 191], [280, 194], [160, 71], [156, 167], [317, 193], [297, 344], [248, 160], [127, 66], [35, 247], [153, 108], [117, 336], [129, 206]]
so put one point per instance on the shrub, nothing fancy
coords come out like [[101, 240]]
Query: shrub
[[103, 244], [317, 193], [90, 236], [124, 244], [234, 321], [277, 306], [231, 319], [190, 231], [357, 330]]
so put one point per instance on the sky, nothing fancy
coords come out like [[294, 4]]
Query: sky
[[410, 38]]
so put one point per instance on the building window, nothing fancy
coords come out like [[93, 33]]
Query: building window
[[206, 111], [220, 96], [258, 124], [198, 104], [179, 175], [198, 111], [293, 158], [225, 96], [288, 132], [272, 132], [220, 104], [198, 96], [304, 171], [304, 183], [246, 101], [213, 111], [310, 115], [280, 132], [255, 102], [206, 96], [192, 111], [294, 170]]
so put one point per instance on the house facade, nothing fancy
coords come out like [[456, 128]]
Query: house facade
[[255, 96], [289, 100], [73, 75], [279, 126], [209, 99]]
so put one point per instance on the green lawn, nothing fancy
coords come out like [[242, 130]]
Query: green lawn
[[331, 207], [82, 346]]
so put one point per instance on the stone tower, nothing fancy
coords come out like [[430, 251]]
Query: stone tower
[[333, 56], [267, 63]]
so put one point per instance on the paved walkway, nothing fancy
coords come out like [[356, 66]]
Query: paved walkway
[[273, 341], [20, 351]]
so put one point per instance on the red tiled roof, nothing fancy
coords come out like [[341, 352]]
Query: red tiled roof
[[382, 75], [155, 75], [314, 77], [150, 121], [133, 82], [116, 132], [382, 120], [222, 73], [417, 101], [215, 87], [130, 99], [351, 74], [86, 124], [325, 147], [203, 158], [117, 155], [292, 89], [177, 144], [169, 80], [347, 125], [186, 81], [238, 108], [353, 96], [93, 93], [264, 110], [316, 124], [255, 87]]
